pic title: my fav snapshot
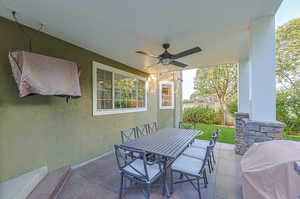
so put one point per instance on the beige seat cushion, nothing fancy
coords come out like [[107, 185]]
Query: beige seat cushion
[[195, 152], [187, 165], [153, 170]]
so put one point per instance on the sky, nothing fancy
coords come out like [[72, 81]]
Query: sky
[[288, 10]]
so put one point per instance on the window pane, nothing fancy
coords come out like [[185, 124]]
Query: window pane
[[125, 92], [104, 89], [141, 93], [166, 94]]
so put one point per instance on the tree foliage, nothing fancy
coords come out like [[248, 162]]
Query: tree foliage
[[220, 81], [288, 74], [288, 55], [201, 115]]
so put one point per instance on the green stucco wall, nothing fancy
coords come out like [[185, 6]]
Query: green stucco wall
[[41, 131], [166, 118]]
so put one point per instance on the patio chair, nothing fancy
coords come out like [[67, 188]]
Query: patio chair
[[142, 130], [152, 128], [188, 125], [192, 169], [199, 153], [137, 170], [204, 143], [128, 134]]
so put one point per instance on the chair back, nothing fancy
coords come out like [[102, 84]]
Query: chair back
[[125, 160], [216, 136], [207, 153], [152, 127], [218, 132], [128, 134], [142, 130]]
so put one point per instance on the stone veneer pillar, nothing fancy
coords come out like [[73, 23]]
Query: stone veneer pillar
[[249, 132]]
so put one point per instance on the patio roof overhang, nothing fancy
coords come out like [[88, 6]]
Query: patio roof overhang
[[116, 29]]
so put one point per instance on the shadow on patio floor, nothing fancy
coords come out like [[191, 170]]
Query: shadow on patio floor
[[100, 179]]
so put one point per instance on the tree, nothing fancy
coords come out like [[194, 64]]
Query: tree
[[288, 74], [220, 81], [288, 55]]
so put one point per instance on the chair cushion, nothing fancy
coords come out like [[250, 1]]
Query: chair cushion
[[138, 164], [187, 165], [195, 152], [200, 143]]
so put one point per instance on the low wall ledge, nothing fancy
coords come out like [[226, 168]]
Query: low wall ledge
[[250, 131], [276, 124]]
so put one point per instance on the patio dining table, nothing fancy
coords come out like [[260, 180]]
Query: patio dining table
[[167, 143]]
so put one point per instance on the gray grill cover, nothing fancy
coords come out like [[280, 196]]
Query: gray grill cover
[[43, 75], [269, 171]]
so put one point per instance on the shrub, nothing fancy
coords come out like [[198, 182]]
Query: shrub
[[287, 111], [201, 115], [232, 107]]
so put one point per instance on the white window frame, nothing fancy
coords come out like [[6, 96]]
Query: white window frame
[[96, 111], [172, 95]]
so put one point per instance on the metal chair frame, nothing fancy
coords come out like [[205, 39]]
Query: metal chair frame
[[143, 177], [152, 128], [128, 134], [142, 130], [213, 141], [202, 175]]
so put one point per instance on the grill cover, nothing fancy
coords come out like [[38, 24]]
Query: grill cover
[[269, 170], [43, 75]]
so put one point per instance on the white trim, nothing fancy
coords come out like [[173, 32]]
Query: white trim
[[160, 95], [75, 166], [21, 186], [96, 112]]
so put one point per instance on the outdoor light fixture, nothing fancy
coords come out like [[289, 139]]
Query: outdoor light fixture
[[166, 61]]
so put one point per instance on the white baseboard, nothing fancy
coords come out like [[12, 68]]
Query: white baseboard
[[90, 160], [21, 186]]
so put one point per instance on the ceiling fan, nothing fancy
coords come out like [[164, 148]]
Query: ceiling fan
[[167, 58]]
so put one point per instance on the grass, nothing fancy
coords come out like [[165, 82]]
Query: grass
[[290, 137], [227, 133]]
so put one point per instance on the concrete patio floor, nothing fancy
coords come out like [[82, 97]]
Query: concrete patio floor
[[100, 179]]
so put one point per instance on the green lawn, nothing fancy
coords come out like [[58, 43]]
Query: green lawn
[[227, 133], [288, 137]]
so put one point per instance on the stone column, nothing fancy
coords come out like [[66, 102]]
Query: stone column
[[257, 88], [240, 126], [249, 132]]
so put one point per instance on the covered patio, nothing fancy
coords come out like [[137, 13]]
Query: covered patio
[[101, 178], [72, 143]]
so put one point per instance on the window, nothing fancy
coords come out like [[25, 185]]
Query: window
[[116, 91], [166, 92]]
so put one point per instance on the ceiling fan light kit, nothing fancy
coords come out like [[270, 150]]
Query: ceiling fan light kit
[[167, 58]]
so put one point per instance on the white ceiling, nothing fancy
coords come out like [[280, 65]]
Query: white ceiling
[[117, 28]]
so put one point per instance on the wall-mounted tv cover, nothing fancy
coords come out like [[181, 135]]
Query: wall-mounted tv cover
[[43, 75]]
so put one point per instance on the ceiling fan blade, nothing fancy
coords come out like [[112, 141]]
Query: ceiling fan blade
[[153, 65], [188, 52], [147, 54], [177, 63]]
